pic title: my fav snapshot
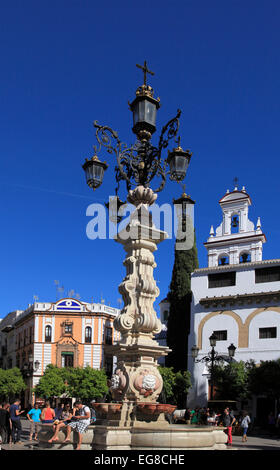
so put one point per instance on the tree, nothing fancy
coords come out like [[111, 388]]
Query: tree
[[231, 381], [11, 383], [175, 386], [52, 383], [265, 379], [180, 297], [87, 383]]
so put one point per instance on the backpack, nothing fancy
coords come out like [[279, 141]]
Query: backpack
[[92, 416]]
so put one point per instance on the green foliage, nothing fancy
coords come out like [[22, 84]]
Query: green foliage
[[175, 386], [52, 384], [265, 379], [180, 297], [231, 381], [77, 382], [11, 383], [87, 383]]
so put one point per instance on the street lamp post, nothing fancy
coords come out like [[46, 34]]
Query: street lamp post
[[136, 378], [28, 370], [213, 357]]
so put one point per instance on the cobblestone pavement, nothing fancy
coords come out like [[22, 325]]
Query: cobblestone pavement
[[253, 443]]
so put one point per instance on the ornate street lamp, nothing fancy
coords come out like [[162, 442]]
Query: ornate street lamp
[[136, 379], [231, 351], [178, 161], [213, 357], [144, 108], [94, 170], [29, 368], [140, 163], [213, 340], [194, 351], [116, 209]]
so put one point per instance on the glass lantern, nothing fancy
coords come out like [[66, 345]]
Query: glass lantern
[[194, 352], [116, 208], [213, 340], [178, 161], [94, 170], [144, 109], [231, 350]]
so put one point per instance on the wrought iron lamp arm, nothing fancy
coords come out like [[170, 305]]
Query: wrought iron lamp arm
[[142, 161]]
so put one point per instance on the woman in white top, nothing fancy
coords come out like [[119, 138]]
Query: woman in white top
[[245, 424]]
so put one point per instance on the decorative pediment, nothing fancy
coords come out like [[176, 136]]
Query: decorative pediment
[[68, 340], [70, 305]]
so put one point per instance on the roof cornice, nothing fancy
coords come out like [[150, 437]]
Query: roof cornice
[[238, 267], [241, 299]]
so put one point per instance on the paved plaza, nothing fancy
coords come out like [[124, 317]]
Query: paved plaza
[[261, 442]]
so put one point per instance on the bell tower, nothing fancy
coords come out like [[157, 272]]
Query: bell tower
[[236, 240]]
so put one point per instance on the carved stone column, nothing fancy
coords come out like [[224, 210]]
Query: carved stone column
[[136, 378]]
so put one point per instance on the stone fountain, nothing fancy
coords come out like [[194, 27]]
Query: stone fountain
[[139, 421]]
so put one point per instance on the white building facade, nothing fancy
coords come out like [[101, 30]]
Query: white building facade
[[237, 296]]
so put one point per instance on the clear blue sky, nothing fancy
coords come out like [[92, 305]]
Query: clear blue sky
[[65, 63]]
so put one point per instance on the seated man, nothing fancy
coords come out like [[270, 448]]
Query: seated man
[[79, 422]]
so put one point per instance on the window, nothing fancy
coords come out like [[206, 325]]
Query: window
[[267, 333], [165, 315], [48, 334], [67, 359], [267, 274], [222, 279], [245, 258], [30, 334], [88, 334], [108, 335], [221, 335], [224, 259], [235, 223], [109, 366], [68, 328]]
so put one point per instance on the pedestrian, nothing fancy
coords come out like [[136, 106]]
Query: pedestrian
[[16, 424], [66, 417], [48, 414], [244, 425], [188, 416], [211, 419], [195, 416], [271, 424], [4, 424], [33, 416], [58, 410], [228, 420], [79, 422], [6, 407]]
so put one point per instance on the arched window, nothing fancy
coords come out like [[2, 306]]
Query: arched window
[[88, 334], [48, 334], [245, 257], [223, 259], [235, 223]]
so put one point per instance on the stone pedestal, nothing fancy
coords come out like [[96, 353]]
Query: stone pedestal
[[149, 436]]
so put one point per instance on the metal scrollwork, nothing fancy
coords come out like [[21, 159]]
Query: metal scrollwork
[[142, 162]]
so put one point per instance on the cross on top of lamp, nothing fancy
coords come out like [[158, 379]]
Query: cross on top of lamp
[[144, 108], [139, 164]]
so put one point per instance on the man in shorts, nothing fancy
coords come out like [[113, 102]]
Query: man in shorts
[[34, 417], [79, 422]]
